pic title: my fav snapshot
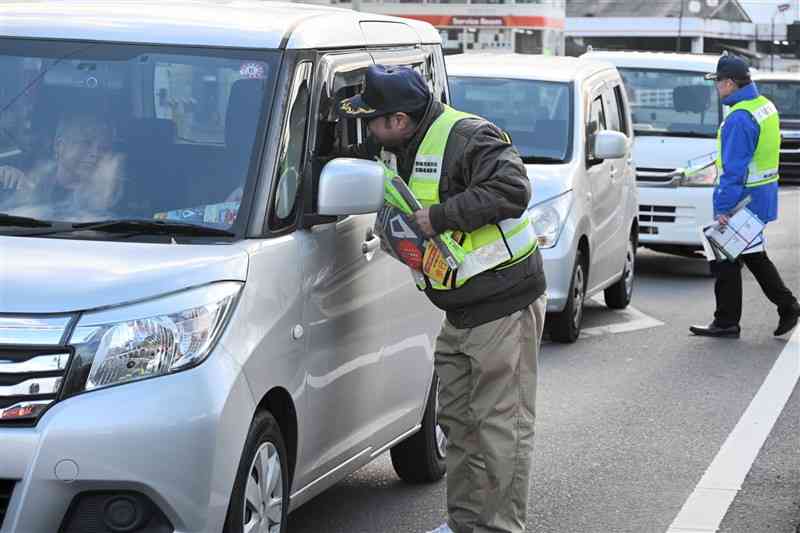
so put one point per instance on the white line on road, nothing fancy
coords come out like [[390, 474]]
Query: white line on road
[[633, 320], [707, 505]]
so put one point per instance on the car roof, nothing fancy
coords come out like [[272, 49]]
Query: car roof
[[659, 60], [776, 76], [523, 66], [218, 23]]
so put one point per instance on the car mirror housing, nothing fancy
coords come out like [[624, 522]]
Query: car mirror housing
[[610, 145], [350, 187]]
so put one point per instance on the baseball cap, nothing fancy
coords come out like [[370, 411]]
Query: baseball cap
[[387, 89], [730, 67]]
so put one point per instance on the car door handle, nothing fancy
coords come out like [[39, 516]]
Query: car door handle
[[371, 243]]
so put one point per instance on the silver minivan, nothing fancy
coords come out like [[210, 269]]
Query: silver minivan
[[569, 119], [198, 329]]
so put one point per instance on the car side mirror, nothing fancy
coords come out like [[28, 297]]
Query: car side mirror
[[350, 187], [610, 145]]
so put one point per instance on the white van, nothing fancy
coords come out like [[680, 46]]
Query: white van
[[569, 119], [783, 89], [676, 113]]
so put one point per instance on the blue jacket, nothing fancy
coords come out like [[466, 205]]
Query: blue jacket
[[739, 138]]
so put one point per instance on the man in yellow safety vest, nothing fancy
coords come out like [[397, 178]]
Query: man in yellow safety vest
[[470, 182], [748, 152]]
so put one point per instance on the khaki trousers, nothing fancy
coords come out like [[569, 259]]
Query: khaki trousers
[[487, 408]]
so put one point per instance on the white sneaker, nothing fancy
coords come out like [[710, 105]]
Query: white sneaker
[[444, 528]]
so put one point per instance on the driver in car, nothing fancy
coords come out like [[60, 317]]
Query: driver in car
[[84, 172]]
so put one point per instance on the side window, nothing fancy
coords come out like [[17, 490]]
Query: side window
[[339, 76], [597, 122], [612, 110], [292, 150], [622, 110]]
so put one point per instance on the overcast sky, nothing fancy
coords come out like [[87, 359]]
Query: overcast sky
[[761, 11]]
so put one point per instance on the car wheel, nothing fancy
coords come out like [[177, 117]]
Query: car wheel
[[566, 325], [619, 295], [421, 458], [260, 498]]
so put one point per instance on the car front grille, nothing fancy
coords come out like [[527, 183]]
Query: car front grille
[[656, 213], [6, 488], [30, 380], [654, 175]]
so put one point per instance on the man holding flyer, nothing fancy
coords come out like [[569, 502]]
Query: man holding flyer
[[470, 191], [747, 158]]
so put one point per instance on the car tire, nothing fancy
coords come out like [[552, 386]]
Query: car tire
[[565, 326], [421, 458], [619, 295], [264, 456]]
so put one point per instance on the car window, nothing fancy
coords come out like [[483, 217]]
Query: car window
[[189, 94], [536, 114], [610, 104], [785, 95], [596, 122], [672, 102], [99, 131], [619, 99], [597, 116], [292, 150]]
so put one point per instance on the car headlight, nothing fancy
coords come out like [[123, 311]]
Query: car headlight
[[705, 176], [548, 218], [148, 339]]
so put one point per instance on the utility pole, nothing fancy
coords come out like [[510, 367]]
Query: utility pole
[[680, 29], [780, 9]]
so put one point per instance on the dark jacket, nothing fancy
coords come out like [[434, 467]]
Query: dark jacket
[[483, 182]]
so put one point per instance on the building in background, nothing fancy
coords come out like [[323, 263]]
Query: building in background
[[698, 26], [528, 27]]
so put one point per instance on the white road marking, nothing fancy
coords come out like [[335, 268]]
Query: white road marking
[[634, 320], [705, 508]]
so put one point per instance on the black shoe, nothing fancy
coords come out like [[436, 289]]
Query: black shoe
[[713, 330], [788, 320]]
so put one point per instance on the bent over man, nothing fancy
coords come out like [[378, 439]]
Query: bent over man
[[469, 178]]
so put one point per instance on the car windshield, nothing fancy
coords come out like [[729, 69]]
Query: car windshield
[[537, 114], [672, 103], [785, 95], [100, 132]]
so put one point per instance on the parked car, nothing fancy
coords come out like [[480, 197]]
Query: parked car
[[676, 113], [198, 329], [569, 119], [783, 88]]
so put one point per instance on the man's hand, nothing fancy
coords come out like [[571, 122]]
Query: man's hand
[[723, 219], [12, 179], [423, 220]]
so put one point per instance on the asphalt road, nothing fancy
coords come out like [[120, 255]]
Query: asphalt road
[[629, 422]]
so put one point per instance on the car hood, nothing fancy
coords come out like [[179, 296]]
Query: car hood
[[43, 275], [670, 152], [548, 181]]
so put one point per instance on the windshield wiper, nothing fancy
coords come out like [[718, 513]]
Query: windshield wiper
[[134, 226], [533, 159], [690, 134], [23, 222], [158, 227]]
